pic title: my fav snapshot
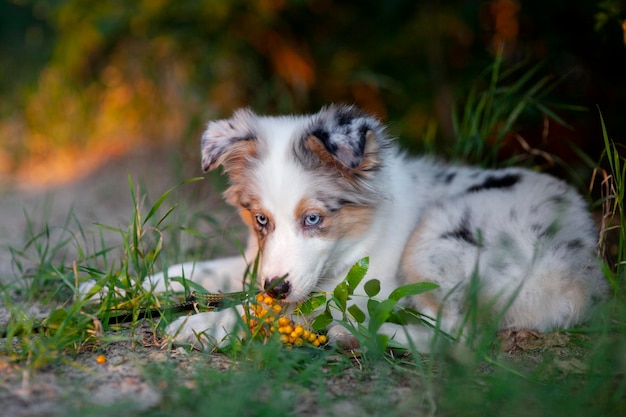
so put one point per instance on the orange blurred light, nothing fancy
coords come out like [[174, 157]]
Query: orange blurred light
[[503, 16]]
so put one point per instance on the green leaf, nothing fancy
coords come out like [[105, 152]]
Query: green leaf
[[322, 321], [357, 273], [405, 316], [356, 313], [311, 304], [372, 287], [411, 289], [341, 295], [188, 284], [380, 314], [371, 306]]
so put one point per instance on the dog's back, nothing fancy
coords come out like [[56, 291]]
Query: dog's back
[[522, 243]]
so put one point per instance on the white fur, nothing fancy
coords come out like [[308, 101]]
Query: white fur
[[527, 236]]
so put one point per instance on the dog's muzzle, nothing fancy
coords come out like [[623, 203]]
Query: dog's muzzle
[[277, 287]]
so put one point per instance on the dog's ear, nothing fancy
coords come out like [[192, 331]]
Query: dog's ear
[[346, 138], [227, 142]]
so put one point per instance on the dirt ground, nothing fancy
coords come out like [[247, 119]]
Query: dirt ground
[[100, 196]]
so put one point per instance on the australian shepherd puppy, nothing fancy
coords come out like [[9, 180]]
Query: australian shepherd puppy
[[320, 192]]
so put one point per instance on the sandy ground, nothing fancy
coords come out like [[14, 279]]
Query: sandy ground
[[101, 196]]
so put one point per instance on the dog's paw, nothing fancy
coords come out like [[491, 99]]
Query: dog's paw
[[204, 331]]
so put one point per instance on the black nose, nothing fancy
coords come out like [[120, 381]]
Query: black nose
[[277, 287]]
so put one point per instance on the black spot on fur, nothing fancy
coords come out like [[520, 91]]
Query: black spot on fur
[[492, 182], [559, 200], [445, 176], [575, 244], [324, 136], [449, 177], [359, 147], [336, 205], [551, 230], [462, 232], [345, 202], [246, 137], [536, 227], [344, 119]]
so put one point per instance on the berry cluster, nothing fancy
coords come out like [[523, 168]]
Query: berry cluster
[[264, 319]]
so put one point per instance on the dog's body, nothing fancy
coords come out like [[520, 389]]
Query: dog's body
[[320, 192]]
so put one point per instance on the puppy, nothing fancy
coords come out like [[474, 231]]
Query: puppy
[[319, 192]]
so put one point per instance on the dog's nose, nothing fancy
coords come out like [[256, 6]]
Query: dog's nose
[[277, 287]]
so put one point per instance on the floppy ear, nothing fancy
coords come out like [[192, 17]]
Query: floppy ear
[[346, 138], [228, 141]]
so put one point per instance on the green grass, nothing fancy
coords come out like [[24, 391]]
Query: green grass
[[582, 374]]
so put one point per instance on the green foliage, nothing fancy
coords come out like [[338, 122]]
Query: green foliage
[[609, 12], [615, 202], [79, 322], [97, 78], [491, 112], [365, 325]]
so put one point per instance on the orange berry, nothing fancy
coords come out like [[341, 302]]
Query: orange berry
[[284, 321], [101, 359]]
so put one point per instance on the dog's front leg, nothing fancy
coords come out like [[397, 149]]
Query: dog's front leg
[[209, 330], [218, 275], [205, 331]]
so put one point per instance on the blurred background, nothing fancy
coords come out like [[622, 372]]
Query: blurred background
[[83, 82]]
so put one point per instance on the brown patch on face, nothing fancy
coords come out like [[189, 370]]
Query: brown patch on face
[[249, 208], [235, 160], [352, 221], [345, 221], [238, 162], [317, 147]]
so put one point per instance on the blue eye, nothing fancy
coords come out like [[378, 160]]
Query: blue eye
[[261, 219], [312, 220]]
